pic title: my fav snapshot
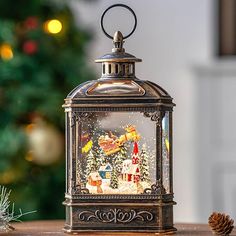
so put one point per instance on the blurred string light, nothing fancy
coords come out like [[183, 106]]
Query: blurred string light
[[53, 26], [6, 51]]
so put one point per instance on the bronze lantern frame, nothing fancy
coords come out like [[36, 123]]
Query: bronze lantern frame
[[151, 211]]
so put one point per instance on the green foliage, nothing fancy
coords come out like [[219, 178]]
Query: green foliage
[[92, 164], [144, 165], [118, 159], [43, 70], [114, 179], [117, 162], [101, 157], [7, 212]]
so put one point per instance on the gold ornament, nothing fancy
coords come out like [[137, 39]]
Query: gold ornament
[[220, 223], [45, 142]]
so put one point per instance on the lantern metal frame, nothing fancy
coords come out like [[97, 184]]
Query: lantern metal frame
[[151, 211]]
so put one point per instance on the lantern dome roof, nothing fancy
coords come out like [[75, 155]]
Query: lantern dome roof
[[118, 92], [118, 85]]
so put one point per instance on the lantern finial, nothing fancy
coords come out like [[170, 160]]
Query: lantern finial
[[118, 42]]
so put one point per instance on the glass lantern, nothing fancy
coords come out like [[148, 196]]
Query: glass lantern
[[119, 151]]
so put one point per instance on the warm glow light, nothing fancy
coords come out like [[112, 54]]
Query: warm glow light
[[53, 26], [6, 51]]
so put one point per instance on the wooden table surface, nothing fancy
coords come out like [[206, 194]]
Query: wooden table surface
[[54, 228]]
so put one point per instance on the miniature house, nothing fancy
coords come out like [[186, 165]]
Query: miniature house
[[131, 173], [105, 171], [126, 176], [130, 170], [135, 155]]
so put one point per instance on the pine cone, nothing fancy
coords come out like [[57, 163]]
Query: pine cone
[[221, 224]]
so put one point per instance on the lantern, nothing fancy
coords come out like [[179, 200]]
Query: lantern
[[119, 150]]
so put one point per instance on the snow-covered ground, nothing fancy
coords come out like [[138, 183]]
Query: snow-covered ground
[[124, 187]]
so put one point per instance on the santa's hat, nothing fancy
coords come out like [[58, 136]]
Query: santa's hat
[[135, 151]]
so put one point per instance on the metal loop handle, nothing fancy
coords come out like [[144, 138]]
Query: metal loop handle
[[119, 5]]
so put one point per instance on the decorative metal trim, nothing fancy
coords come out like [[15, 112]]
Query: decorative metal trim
[[77, 189], [78, 116], [157, 188], [155, 116], [115, 216], [145, 196], [114, 109]]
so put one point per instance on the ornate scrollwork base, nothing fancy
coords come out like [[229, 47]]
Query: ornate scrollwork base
[[115, 216]]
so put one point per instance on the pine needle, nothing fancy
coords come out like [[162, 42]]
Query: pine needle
[[6, 214]]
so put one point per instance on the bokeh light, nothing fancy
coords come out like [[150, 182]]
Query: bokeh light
[[53, 26], [6, 52]]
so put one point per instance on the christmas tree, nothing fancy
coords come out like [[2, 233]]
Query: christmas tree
[[144, 165], [42, 58], [114, 179], [92, 164], [100, 157], [117, 162], [118, 159]]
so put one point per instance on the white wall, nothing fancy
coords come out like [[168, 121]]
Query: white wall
[[171, 37]]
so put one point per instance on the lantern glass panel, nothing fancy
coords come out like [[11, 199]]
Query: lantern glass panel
[[118, 153], [165, 152]]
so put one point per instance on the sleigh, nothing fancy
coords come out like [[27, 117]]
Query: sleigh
[[111, 144]]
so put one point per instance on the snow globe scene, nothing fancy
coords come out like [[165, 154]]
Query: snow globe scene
[[118, 153]]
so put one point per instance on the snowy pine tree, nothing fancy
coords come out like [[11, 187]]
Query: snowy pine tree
[[101, 158], [119, 158], [144, 165], [92, 164], [123, 152], [117, 163], [114, 179]]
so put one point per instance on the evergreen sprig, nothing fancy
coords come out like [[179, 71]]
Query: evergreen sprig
[[7, 213]]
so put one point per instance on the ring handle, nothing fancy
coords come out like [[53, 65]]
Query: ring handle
[[119, 5]]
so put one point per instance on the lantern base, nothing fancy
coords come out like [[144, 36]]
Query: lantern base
[[69, 230], [105, 231], [156, 217]]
